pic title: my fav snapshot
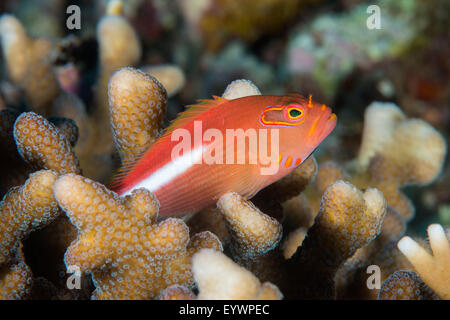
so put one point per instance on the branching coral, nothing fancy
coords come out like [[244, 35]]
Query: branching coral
[[253, 232], [433, 269], [137, 104], [29, 65], [67, 127], [240, 88], [25, 209], [42, 145], [119, 47], [405, 285], [397, 151], [219, 278], [171, 77], [130, 255], [348, 220], [15, 278]]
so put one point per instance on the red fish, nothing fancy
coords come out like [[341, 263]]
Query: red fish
[[217, 146]]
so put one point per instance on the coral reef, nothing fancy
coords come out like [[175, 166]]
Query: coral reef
[[70, 101], [171, 77], [218, 277], [432, 269], [405, 285], [28, 63], [138, 104], [130, 255], [15, 278], [25, 209], [42, 145]]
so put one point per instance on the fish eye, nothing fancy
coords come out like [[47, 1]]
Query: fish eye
[[295, 113]]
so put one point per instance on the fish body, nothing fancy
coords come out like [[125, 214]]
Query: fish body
[[240, 145]]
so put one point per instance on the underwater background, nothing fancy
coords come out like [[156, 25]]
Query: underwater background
[[195, 48]]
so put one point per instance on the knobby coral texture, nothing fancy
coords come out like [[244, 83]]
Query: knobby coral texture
[[313, 234]]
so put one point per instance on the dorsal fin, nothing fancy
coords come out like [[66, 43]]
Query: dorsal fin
[[193, 111], [128, 159]]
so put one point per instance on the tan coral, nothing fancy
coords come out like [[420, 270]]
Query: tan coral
[[293, 241], [432, 269], [67, 128], [405, 285], [210, 219], [170, 76], [42, 145], [29, 65], [412, 152], [72, 107], [253, 232], [118, 42], [352, 275], [412, 146], [348, 220], [119, 47], [15, 278], [219, 278], [45, 146], [130, 255], [25, 209], [298, 213], [240, 88], [138, 105], [379, 124]]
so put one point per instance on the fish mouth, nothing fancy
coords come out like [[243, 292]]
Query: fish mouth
[[323, 126], [330, 124]]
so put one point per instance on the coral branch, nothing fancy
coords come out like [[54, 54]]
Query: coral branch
[[219, 278], [15, 278], [25, 209], [130, 255], [42, 145], [348, 220], [138, 105], [405, 285], [433, 269]]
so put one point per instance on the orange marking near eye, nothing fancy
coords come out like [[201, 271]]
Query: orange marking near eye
[[324, 107], [280, 157], [313, 127], [310, 101], [298, 161], [288, 162], [282, 123], [333, 116]]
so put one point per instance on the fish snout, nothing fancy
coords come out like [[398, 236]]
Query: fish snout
[[323, 125]]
